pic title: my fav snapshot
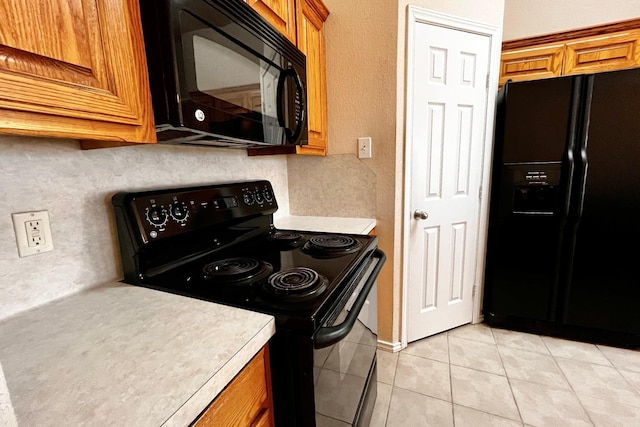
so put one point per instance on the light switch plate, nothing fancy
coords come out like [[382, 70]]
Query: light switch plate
[[33, 232], [364, 148]]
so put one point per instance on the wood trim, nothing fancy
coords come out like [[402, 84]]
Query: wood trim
[[565, 36], [393, 347], [267, 151], [312, 150], [319, 8]]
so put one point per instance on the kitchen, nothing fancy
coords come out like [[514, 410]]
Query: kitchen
[[75, 185]]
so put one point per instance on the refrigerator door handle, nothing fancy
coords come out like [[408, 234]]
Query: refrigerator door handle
[[582, 160], [577, 192]]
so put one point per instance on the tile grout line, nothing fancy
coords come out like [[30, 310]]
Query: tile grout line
[[515, 401], [633, 387], [453, 412], [393, 387], [495, 343], [575, 394]]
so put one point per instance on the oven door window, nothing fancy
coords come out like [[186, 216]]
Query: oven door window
[[342, 372], [235, 88]]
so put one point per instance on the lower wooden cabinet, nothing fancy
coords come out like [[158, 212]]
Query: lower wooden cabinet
[[246, 401]]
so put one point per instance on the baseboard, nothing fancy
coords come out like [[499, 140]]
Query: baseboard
[[389, 346]]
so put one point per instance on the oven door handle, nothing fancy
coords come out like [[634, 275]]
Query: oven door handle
[[330, 335]]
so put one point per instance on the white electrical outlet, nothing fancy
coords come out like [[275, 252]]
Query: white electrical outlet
[[33, 232], [364, 148]]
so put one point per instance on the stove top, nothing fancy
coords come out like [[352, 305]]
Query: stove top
[[218, 243]]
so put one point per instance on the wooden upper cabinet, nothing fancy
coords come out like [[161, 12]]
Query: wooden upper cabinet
[[311, 15], [531, 63], [609, 52], [280, 13], [588, 50], [74, 68]]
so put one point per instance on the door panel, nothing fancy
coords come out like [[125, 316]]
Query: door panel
[[605, 288], [446, 133], [530, 198]]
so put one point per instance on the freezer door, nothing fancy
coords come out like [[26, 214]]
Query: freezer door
[[530, 197], [604, 283], [537, 120], [525, 242]]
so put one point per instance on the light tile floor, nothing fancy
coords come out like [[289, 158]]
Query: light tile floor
[[480, 376]]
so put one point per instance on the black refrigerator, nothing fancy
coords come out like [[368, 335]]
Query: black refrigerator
[[563, 252]]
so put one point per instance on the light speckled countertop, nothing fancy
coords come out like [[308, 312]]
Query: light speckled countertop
[[326, 224], [124, 355]]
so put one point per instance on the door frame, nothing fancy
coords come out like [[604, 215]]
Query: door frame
[[418, 15]]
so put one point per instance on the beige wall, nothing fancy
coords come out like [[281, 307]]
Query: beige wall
[[525, 18], [75, 186], [361, 40], [365, 60]]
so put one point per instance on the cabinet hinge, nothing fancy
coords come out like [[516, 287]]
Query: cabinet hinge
[[487, 81], [480, 193], [473, 291]]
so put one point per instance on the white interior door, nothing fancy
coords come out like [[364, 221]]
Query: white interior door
[[446, 127]]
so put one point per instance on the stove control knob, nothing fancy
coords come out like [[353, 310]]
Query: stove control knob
[[268, 195], [248, 198], [259, 197], [157, 216], [179, 212]]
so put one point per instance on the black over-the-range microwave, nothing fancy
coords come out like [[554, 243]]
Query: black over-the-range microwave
[[221, 75]]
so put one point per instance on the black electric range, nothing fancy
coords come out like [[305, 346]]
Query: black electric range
[[218, 243]]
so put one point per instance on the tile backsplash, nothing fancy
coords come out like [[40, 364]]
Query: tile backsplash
[[76, 186]]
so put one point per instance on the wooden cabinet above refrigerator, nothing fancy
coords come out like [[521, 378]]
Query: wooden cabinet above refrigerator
[[588, 50]]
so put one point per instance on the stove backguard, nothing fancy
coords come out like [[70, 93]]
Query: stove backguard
[[162, 230]]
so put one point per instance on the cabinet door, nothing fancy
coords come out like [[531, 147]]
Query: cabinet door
[[310, 21], [604, 53], [531, 63], [280, 13], [74, 68], [246, 401]]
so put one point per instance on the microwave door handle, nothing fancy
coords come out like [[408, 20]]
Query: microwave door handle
[[292, 136], [332, 334]]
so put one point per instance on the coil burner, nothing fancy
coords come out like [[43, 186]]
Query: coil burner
[[286, 239], [299, 282], [237, 271], [331, 246]]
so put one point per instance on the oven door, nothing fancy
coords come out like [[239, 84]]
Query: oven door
[[236, 86], [345, 379]]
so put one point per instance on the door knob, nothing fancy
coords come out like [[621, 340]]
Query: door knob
[[420, 214]]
